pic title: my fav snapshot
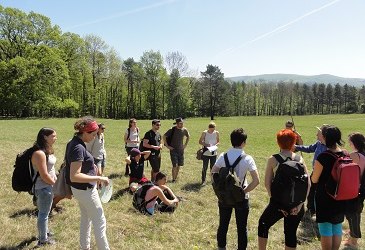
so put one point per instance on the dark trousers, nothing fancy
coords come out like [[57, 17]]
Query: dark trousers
[[310, 200], [271, 215], [353, 215], [241, 211], [206, 160]]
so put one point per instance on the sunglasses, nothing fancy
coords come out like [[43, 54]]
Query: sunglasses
[[158, 125]]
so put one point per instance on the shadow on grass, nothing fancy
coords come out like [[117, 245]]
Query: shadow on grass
[[308, 230], [26, 211], [119, 194], [192, 187], [22, 245], [115, 176]]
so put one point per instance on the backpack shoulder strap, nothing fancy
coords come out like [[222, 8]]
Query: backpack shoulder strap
[[235, 162], [278, 158]]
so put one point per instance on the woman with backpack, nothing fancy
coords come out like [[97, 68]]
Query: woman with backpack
[[276, 209], [207, 139], [43, 162], [131, 140], [82, 176], [354, 207], [329, 212]]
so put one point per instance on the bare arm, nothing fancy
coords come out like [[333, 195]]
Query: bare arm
[[317, 171], [202, 140], [147, 145], [167, 145], [355, 157], [269, 173], [77, 176], [164, 187], [39, 161], [128, 160], [217, 138], [187, 140], [255, 181], [146, 154], [158, 192], [125, 137]]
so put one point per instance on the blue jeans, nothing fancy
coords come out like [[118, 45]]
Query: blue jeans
[[44, 204], [241, 210]]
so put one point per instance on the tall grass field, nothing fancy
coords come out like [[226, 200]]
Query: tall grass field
[[194, 223]]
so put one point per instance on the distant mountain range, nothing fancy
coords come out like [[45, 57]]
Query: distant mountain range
[[324, 78]]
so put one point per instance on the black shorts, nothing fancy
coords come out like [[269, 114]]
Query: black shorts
[[155, 161]]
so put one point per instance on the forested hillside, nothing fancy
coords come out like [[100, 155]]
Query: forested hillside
[[47, 73]]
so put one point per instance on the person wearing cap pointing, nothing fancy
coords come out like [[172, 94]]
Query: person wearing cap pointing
[[174, 141], [317, 148]]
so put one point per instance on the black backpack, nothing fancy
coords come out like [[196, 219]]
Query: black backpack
[[290, 183], [139, 196], [24, 176], [169, 138], [227, 185]]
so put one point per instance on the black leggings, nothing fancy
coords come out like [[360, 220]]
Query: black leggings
[[271, 215]]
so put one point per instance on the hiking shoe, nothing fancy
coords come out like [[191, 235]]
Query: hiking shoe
[[45, 243]]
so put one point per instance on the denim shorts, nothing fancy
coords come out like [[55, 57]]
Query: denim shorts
[[329, 229]]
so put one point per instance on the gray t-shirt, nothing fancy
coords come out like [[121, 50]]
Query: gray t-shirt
[[177, 140]]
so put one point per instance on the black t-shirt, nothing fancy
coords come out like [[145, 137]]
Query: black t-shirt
[[327, 208], [76, 151], [153, 139], [137, 168]]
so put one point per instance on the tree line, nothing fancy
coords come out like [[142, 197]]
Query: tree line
[[47, 73]]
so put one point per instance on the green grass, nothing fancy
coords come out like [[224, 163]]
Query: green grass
[[193, 225]]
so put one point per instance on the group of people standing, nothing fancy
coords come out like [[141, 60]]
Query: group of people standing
[[151, 144], [82, 174], [85, 160]]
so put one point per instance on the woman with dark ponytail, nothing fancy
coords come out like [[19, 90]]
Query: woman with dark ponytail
[[43, 162]]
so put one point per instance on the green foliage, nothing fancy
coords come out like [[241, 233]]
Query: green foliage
[[41, 68]]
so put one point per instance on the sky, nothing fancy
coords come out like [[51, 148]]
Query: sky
[[241, 37]]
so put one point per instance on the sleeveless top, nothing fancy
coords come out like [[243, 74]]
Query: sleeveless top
[[210, 138], [133, 136], [39, 184]]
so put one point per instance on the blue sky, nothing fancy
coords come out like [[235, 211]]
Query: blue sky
[[241, 37]]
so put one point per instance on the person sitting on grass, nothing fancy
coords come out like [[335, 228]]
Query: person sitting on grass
[[164, 197], [160, 181], [136, 164]]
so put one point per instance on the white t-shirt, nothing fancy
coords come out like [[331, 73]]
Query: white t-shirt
[[133, 136], [246, 164]]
